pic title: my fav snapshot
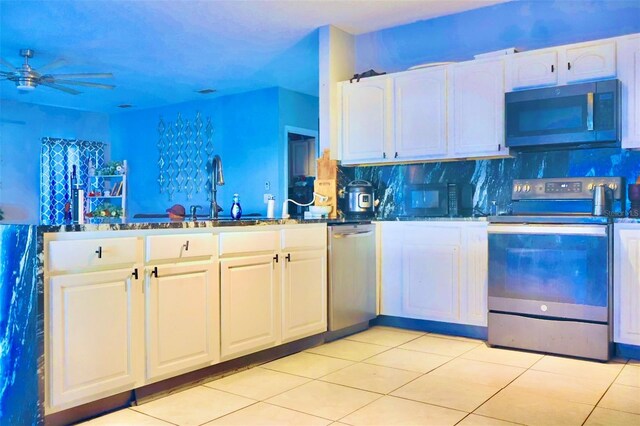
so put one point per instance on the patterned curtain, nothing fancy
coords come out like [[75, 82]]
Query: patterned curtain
[[56, 164]]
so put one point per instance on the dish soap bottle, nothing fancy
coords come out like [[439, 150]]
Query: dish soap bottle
[[236, 210]]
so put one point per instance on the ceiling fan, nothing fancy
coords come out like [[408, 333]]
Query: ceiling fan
[[27, 78]]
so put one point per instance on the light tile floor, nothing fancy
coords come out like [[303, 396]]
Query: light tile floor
[[390, 376]]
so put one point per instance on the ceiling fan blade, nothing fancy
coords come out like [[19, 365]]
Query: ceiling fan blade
[[8, 65], [81, 83], [62, 88], [81, 75], [52, 65]]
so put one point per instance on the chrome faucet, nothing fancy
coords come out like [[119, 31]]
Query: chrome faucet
[[217, 178]]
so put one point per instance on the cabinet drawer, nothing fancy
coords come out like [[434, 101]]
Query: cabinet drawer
[[92, 253], [248, 242], [303, 238], [182, 246]]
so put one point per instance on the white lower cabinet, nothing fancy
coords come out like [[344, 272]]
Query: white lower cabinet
[[430, 279], [95, 336], [304, 294], [626, 284], [182, 311], [435, 270], [249, 305]]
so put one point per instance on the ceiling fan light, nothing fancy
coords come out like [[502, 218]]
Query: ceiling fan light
[[25, 84]]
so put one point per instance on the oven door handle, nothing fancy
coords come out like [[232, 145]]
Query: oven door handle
[[591, 231]]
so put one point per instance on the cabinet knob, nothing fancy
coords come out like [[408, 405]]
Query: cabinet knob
[[276, 257], [154, 272], [186, 246], [569, 65], [288, 257], [99, 252], [552, 68], [384, 155], [134, 274]]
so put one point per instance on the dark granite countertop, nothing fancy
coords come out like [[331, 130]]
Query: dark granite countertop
[[626, 220], [146, 223], [432, 219]]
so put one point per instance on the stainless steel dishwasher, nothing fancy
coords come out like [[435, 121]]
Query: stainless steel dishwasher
[[352, 278]]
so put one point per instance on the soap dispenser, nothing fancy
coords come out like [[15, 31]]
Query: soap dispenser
[[236, 210]]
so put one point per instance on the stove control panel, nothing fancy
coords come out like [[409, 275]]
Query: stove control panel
[[565, 188]]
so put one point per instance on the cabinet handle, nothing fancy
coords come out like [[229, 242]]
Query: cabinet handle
[[186, 246], [135, 274], [396, 156], [276, 257], [499, 147], [288, 257], [154, 273], [99, 252], [569, 65], [552, 68], [384, 155]]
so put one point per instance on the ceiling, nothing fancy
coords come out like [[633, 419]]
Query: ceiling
[[162, 51]]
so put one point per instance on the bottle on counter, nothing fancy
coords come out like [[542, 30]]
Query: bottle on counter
[[236, 210], [77, 198], [271, 207]]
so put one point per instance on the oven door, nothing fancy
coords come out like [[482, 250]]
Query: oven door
[[557, 271]]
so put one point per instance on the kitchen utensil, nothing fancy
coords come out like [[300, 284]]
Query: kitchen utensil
[[602, 198], [359, 199], [634, 198]]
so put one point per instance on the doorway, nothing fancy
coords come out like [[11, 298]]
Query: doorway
[[300, 175]]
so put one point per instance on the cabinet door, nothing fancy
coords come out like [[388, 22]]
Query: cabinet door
[[182, 311], [366, 120], [474, 290], [304, 294], [592, 61], [431, 281], [249, 305], [476, 109], [301, 158], [391, 237], [626, 285], [532, 69], [420, 113], [95, 336], [629, 75]]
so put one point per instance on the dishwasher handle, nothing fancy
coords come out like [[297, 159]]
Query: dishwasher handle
[[353, 234]]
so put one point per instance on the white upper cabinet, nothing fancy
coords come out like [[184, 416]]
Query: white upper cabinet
[[476, 109], [366, 119], [590, 61], [561, 65], [420, 111], [538, 68], [629, 76]]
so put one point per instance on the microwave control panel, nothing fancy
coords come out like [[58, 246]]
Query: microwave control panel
[[565, 188]]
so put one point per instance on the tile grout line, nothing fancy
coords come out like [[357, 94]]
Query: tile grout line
[[603, 394]]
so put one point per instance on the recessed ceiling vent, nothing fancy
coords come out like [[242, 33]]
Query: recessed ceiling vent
[[125, 106], [206, 91]]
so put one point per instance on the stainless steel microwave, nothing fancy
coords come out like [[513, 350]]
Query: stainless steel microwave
[[439, 199], [585, 114]]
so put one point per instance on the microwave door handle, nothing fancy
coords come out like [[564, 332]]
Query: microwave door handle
[[590, 111]]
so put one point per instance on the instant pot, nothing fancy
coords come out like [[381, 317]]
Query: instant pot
[[358, 200]]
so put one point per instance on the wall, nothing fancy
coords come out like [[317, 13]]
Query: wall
[[248, 136], [22, 126], [526, 25]]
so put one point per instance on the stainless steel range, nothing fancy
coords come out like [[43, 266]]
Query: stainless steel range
[[550, 273]]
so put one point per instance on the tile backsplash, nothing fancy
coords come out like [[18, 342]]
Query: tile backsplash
[[492, 178]]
